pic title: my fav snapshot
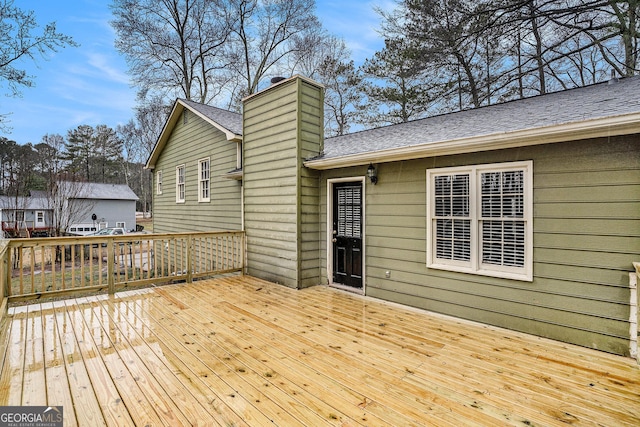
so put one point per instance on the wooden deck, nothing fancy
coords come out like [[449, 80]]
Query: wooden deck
[[244, 352]]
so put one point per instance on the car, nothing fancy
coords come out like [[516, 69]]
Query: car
[[110, 231]]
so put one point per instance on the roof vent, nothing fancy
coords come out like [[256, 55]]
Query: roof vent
[[275, 80], [613, 78]]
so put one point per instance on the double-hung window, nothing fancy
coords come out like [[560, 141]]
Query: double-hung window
[[180, 184], [159, 182], [480, 219], [204, 180]]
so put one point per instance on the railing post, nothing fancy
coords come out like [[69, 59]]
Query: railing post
[[111, 259], [189, 258], [244, 252], [4, 277], [6, 260]]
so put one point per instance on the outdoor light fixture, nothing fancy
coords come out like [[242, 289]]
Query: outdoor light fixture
[[372, 173]]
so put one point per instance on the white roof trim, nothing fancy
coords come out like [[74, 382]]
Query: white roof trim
[[596, 128], [230, 135], [172, 120]]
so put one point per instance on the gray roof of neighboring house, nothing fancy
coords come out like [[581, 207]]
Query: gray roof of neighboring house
[[227, 119], [571, 106], [98, 191], [24, 203]]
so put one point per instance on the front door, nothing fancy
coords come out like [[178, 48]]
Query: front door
[[347, 234]]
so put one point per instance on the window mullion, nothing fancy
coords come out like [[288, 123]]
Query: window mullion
[[474, 214]]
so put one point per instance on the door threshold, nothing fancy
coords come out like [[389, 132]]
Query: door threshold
[[359, 291]]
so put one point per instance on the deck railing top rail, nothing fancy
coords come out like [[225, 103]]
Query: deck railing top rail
[[42, 267]]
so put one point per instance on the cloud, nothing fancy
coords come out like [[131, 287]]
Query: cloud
[[102, 66]]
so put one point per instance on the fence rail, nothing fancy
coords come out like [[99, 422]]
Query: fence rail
[[36, 268]]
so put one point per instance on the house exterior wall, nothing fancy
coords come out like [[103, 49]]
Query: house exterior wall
[[113, 211], [282, 126], [311, 104], [586, 229], [190, 142]]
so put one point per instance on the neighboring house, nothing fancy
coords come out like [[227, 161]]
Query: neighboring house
[[524, 215], [25, 216], [93, 206], [82, 207]]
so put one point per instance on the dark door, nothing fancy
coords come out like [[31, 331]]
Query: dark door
[[347, 234]]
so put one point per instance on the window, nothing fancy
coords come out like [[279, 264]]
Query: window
[[480, 219], [180, 182], [39, 217], [204, 180], [120, 224], [159, 182]]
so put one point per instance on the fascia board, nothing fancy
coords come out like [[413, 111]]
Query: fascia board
[[596, 128], [229, 135], [174, 116]]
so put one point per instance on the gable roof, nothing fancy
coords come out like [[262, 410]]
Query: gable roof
[[98, 191], [604, 109], [24, 203], [228, 122]]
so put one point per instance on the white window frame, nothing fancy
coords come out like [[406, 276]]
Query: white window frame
[[121, 224], [475, 265], [40, 219], [181, 182], [159, 182], [204, 180]]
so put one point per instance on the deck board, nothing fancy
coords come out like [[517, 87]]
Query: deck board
[[239, 351]]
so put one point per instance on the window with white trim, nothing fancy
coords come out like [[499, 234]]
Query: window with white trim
[[480, 219], [180, 184], [204, 180], [120, 224], [159, 182]]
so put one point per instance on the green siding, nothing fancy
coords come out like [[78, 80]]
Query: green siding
[[586, 236], [311, 135], [282, 127], [188, 144]]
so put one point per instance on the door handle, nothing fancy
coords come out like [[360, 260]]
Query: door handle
[[334, 240]]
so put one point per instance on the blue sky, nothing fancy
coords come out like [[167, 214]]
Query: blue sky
[[89, 84]]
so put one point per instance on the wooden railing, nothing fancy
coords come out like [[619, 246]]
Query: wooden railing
[[4, 245], [43, 267]]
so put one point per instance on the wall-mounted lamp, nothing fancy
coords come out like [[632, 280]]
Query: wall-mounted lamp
[[372, 174]]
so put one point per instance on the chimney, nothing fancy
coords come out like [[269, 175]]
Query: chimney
[[282, 126], [275, 80]]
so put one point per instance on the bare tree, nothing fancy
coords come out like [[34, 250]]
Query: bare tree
[[139, 138], [19, 40], [264, 37], [174, 47], [67, 201], [50, 156]]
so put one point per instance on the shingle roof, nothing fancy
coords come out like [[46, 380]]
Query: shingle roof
[[227, 119], [571, 106], [98, 191], [24, 203]]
